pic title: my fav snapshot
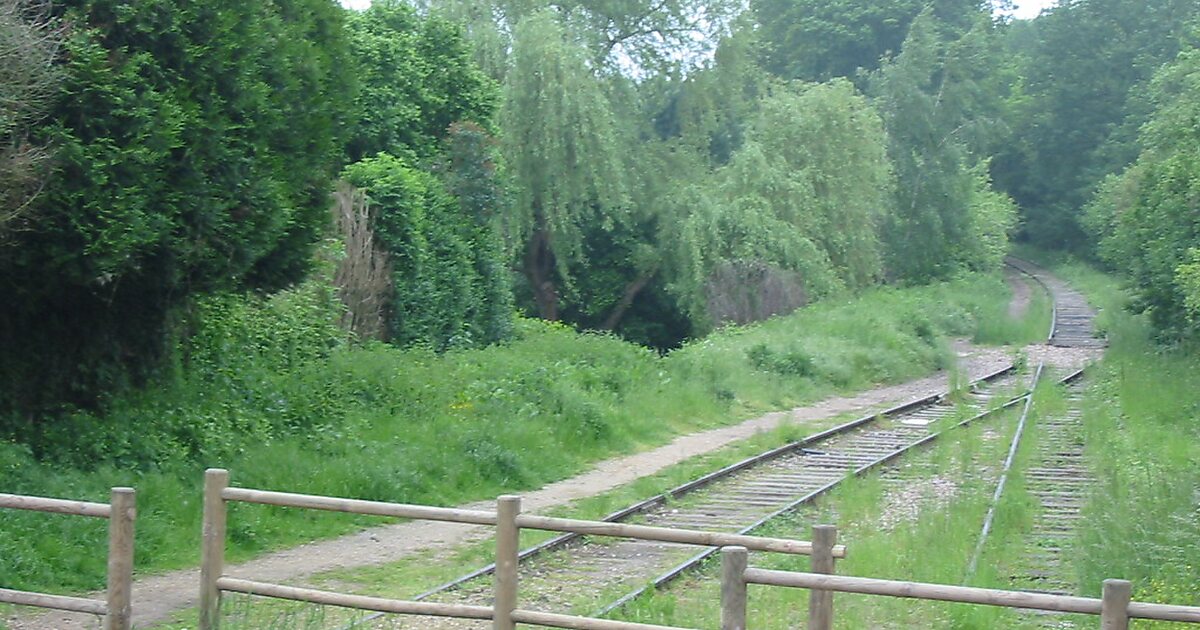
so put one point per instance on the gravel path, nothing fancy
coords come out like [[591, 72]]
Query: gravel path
[[157, 597]]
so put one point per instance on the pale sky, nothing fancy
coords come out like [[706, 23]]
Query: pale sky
[[1024, 10]]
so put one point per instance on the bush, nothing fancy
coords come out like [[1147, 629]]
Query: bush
[[195, 143]]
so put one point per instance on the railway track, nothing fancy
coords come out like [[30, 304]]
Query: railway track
[[1059, 481], [739, 498], [742, 497]]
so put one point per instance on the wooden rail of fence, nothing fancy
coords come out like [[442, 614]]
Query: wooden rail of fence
[[508, 521], [1114, 607], [121, 512]]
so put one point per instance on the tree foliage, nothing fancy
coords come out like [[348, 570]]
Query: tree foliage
[[935, 114], [816, 40], [194, 146], [561, 147], [1148, 219], [781, 214], [1085, 66], [416, 78], [651, 36]]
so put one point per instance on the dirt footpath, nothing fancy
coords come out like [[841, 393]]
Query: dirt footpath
[[156, 597]]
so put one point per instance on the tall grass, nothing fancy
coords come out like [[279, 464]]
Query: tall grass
[[268, 391], [1142, 440]]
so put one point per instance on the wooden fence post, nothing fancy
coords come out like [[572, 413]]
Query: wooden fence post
[[820, 602], [733, 588], [508, 541], [120, 559], [1114, 605], [212, 554]]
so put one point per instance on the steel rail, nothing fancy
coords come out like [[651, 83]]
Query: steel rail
[[717, 475]]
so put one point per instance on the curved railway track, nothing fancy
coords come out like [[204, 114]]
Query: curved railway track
[[742, 497]]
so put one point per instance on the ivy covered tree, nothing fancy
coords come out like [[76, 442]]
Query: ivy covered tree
[[446, 286], [195, 143], [561, 148]]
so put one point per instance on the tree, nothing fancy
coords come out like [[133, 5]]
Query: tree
[[416, 78], [561, 147], [195, 143], [815, 40], [782, 225], [1085, 67], [1148, 219], [645, 36], [935, 112], [29, 42]]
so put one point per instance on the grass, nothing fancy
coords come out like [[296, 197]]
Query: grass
[[1142, 442], [284, 408]]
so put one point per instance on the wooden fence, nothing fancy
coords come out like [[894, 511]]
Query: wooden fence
[[121, 512], [508, 521], [1114, 607]]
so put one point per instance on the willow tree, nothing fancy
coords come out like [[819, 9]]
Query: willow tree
[[782, 224], [938, 111], [561, 148]]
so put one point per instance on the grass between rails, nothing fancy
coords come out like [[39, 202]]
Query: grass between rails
[[285, 408], [1142, 420]]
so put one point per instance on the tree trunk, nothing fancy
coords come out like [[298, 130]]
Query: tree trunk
[[539, 270], [631, 291]]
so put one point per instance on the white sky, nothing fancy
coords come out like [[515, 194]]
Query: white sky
[[1024, 9]]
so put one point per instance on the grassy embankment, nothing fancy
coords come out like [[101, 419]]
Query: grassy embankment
[[271, 393], [1143, 444]]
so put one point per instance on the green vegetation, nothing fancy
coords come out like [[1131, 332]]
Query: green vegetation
[[1143, 414], [1146, 219], [176, 295], [417, 573], [193, 144], [1080, 75], [284, 403]]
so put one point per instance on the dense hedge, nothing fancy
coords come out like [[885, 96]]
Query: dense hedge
[[195, 145]]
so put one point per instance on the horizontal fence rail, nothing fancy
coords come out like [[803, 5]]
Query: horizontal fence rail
[[121, 512], [1114, 607], [508, 521]]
